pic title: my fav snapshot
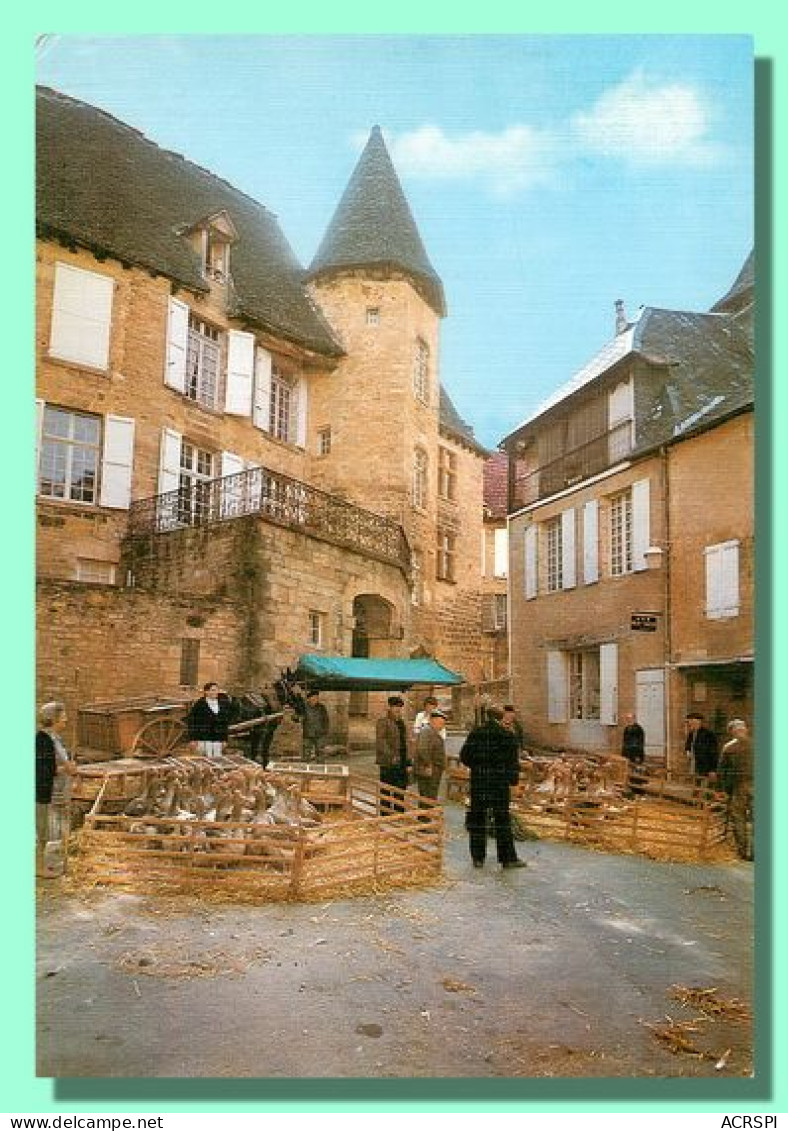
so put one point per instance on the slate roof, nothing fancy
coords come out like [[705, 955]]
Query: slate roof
[[451, 422], [374, 226], [496, 485], [704, 361], [105, 186]]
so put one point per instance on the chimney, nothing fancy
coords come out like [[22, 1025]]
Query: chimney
[[621, 317]]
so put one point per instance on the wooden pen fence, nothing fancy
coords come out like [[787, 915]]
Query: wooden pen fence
[[371, 837]]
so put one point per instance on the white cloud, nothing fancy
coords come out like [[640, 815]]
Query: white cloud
[[516, 158], [647, 122]]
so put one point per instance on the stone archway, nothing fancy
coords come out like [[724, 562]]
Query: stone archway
[[373, 619]]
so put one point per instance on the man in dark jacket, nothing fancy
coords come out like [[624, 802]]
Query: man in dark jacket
[[392, 751], [633, 741], [208, 721], [735, 770], [491, 754], [316, 727], [700, 746]]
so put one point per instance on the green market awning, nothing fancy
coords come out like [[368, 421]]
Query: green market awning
[[345, 673]]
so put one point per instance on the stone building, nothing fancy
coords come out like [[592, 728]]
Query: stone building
[[238, 461], [631, 534]]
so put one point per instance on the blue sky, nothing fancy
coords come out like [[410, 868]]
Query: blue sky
[[549, 175]]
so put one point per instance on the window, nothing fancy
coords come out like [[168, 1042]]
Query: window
[[417, 577], [316, 629], [722, 580], [202, 362], [324, 441], [421, 371], [447, 548], [95, 572], [373, 316], [621, 534], [197, 469], [190, 661], [217, 256], [81, 316], [69, 458], [283, 419], [494, 612], [555, 555], [420, 474], [584, 684], [447, 474]]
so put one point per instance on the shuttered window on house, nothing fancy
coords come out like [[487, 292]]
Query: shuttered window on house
[[190, 661], [81, 316]]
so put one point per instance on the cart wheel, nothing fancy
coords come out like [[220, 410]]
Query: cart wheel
[[159, 738]]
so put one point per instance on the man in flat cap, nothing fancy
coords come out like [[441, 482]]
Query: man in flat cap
[[429, 760], [392, 752]]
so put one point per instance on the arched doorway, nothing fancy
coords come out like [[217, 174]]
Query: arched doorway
[[372, 631]]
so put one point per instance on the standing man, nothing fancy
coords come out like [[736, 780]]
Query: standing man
[[208, 721], [316, 727], [429, 760], [735, 772], [700, 746], [391, 745], [633, 741], [491, 754]]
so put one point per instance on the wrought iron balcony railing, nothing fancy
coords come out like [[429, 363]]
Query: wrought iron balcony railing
[[278, 499], [573, 466]]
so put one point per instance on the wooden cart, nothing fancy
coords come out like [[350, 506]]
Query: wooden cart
[[148, 726]]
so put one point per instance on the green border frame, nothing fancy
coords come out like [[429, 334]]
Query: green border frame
[[23, 1093]]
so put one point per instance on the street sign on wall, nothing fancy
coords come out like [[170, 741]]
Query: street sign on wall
[[643, 622]]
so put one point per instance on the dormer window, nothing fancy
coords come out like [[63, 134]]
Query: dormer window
[[212, 239]]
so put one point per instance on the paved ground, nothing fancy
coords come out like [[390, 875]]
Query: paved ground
[[553, 970]]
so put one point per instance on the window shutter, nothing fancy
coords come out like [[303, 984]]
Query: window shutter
[[591, 542], [556, 687], [117, 462], [488, 612], [177, 345], [530, 562], [501, 536], [722, 579], [81, 316], [231, 491], [39, 427], [261, 414], [169, 461], [620, 401], [301, 412], [568, 566], [730, 579], [240, 373], [608, 684], [641, 537]]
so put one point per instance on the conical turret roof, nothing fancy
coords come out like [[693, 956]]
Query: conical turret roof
[[374, 226]]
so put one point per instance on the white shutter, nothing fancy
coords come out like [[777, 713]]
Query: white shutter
[[117, 462], [169, 461], [501, 567], [641, 537], [301, 394], [261, 414], [177, 345], [81, 316], [531, 585], [232, 491], [240, 373], [40, 405], [556, 687], [568, 566], [608, 684], [722, 580], [620, 403], [730, 579], [591, 542]]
